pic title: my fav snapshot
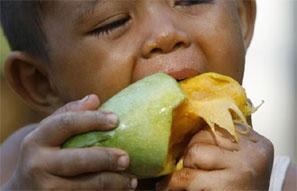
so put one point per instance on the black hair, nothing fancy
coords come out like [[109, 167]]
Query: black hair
[[22, 26]]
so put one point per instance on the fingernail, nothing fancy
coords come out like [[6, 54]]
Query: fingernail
[[112, 118], [123, 162], [85, 98], [133, 183]]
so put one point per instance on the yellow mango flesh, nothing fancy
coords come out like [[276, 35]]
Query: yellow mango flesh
[[211, 85], [213, 100]]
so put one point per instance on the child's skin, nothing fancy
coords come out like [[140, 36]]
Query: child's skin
[[102, 52]]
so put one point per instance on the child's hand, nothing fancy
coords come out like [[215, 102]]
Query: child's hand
[[42, 164], [220, 164]]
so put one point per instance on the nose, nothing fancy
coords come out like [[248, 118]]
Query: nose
[[163, 40]]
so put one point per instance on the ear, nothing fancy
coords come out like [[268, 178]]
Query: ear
[[28, 77], [247, 13]]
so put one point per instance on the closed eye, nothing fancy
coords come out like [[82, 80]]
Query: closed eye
[[191, 2], [109, 27]]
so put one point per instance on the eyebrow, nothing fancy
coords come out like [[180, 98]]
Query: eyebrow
[[87, 8]]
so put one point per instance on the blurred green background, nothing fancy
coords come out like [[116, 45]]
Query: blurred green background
[[4, 49]]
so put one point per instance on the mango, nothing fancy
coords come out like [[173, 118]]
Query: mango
[[145, 114], [158, 116]]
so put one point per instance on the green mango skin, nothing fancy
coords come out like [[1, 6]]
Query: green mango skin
[[145, 119]]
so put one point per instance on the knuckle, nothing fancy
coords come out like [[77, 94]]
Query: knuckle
[[27, 141], [65, 122], [31, 157], [193, 150], [190, 154], [182, 176], [79, 164], [248, 172], [67, 119], [68, 106], [101, 181], [46, 120], [33, 167], [198, 157], [245, 174], [98, 114], [191, 158], [108, 159], [108, 181], [265, 151], [269, 146], [181, 180], [28, 144], [100, 118], [82, 161]]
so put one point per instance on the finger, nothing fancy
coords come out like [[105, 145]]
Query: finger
[[222, 140], [101, 181], [246, 133], [180, 180], [252, 137], [261, 148], [207, 157], [266, 143], [90, 102], [72, 162], [56, 129], [213, 180], [193, 180]]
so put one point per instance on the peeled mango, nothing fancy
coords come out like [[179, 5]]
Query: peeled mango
[[158, 116]]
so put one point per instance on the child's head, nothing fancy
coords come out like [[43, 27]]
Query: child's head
[[68, 49]]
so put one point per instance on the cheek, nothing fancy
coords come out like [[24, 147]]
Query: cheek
[[115, 75], [218, 35], [91, 70], [228, 56]]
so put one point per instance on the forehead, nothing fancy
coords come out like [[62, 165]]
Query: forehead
[[78, 9], [81, 7]]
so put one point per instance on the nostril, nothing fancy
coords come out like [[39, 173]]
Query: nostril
[[178, 45], [156, 51], [160, 50]]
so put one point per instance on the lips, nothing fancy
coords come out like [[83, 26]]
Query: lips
[[183, 73]]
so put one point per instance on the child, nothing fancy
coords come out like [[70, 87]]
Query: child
[[65, 50]]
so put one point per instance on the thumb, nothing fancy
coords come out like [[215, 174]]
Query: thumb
[[89, 102]]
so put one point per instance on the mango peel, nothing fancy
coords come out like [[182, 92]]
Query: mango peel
[[158, 116]]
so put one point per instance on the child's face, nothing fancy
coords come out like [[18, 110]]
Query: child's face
[[103, 46]]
